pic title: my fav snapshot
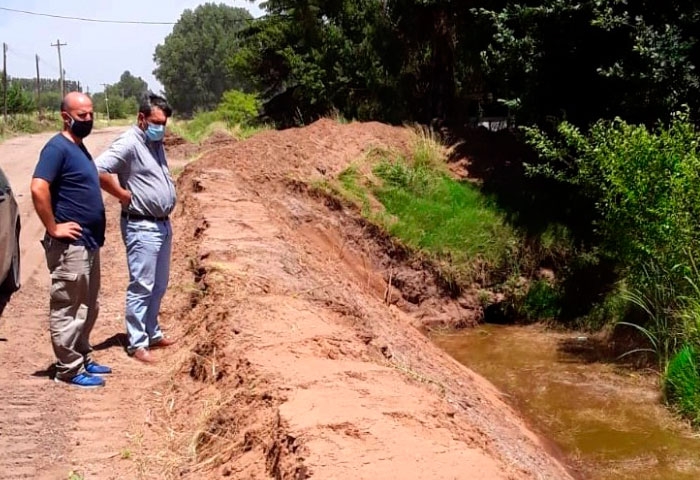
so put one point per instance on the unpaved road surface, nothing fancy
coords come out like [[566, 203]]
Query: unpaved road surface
[[298, 354]]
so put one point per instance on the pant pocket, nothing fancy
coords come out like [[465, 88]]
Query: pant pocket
[[63, 287], [54, 250]]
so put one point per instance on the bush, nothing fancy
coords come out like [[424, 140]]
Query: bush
[[542, 301], [645, 186], [682, 383], [238, 108]]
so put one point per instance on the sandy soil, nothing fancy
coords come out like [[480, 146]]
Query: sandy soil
[[297, 358]]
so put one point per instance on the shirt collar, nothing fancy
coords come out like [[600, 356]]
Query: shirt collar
[[140, 133]]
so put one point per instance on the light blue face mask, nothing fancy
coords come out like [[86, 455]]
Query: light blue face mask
[[155, 133]]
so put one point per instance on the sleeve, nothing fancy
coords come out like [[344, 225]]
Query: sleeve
[[116, 157], [50, 163]]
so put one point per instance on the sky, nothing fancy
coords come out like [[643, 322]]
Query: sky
[[95, 53]]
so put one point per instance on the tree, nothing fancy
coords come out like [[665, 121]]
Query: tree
[[119, 107], [594, 58], [392, 60], [19, 100], [191, 62], [132, 87]]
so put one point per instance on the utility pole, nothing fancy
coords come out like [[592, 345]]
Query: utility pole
[[4, 81], [105, 85], [38, 86], [58, 45]]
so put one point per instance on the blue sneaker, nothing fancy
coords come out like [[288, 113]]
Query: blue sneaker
[[94, 368], [84, 380]]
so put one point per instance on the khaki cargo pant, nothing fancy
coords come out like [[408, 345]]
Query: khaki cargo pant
[[74, 305]]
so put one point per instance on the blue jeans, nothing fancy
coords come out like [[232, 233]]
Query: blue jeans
[[148, 245]]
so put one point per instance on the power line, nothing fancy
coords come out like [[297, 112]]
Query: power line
[[19, 53], [82, 19], [20, 56], [49, 64]]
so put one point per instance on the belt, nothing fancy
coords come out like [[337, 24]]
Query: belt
[[138, 216]]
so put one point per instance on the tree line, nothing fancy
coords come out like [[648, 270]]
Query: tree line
[[22, 95], [422, 60]]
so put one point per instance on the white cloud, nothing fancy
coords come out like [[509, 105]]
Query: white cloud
[[96, 52]]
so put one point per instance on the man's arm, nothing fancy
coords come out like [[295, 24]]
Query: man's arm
[[41, 196], [110, 185], [114, 160]]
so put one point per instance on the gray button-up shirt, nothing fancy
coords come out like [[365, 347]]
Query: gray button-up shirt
[[141, 168]]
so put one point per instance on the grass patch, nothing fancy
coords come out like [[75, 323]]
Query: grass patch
[[205, 124], [416, 200], [450, 220], [27, 123]]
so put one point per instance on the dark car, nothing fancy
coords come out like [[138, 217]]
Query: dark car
[[9, 237]]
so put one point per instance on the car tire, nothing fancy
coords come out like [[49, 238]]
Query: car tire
[[12, 282]]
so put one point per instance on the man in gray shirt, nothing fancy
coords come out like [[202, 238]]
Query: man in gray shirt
[[147, 194]]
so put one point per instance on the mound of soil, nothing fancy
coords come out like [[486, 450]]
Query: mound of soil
[[301, 355], [178, 149]]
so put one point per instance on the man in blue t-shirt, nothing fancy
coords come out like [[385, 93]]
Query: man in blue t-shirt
[[67, 197]]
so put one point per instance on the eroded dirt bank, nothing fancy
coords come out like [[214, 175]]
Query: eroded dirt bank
[[298, 359]]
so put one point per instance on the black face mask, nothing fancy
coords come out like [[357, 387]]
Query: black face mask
[[80, 128]]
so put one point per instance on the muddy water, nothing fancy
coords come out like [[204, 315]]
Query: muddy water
[[608, 421]]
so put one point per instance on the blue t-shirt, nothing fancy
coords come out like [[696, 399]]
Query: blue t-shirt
[[75, 188]]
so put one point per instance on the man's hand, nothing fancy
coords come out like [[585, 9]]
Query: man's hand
[[125, 198], [66, 230], [109, 184]]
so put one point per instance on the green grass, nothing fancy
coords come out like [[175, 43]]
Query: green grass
[[114, 122], [205, 124], [200, 127], [27, 123], [352, 188], [417, 201], [442, 216]]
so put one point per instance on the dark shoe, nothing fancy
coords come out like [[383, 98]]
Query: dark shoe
[[144, 355], [94, 368], [163, 342], [83, 380]]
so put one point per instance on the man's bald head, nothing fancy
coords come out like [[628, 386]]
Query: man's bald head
[[76, 100]]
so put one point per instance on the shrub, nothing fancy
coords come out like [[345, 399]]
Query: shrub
[[645, 188], [682, 383], [238, 108], [542, 301]]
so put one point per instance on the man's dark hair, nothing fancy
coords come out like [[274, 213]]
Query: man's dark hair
[[151, 100], [64, 107]]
